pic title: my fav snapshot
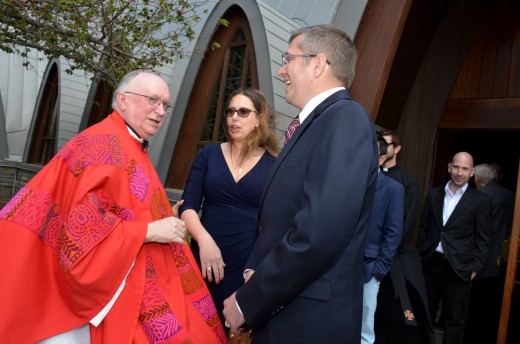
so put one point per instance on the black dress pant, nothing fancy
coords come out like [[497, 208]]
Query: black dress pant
[[442, 283]]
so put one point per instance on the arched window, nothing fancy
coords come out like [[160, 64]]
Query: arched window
[[44, 129], [223, 70], [99, 104]]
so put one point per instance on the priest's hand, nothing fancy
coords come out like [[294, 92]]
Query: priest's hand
[[169, 229]]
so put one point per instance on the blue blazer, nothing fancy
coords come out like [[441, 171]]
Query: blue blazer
[[386, 228], [313, 219]]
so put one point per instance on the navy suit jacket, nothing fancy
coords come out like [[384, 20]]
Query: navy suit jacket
[[466, 236], [385, 230], [313, 219]]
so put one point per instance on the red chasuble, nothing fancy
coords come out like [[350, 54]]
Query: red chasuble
[[68, 239]]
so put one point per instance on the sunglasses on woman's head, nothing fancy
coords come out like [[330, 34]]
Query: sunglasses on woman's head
[[241, 112]]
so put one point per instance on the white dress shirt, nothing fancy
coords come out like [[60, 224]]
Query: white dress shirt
[[315, 101], [450, 202]]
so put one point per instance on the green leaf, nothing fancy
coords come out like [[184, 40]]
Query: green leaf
[[106, 38]]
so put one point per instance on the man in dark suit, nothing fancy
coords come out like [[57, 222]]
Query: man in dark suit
[[391, 169], [454, 242], [305, 279], [487, 288], [402, 314], [384, 236]]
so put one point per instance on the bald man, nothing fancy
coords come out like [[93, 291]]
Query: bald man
[[454, 242]]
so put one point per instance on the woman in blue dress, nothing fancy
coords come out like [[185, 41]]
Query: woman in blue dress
[[226, 182]]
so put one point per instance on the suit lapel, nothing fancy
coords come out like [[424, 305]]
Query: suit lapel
[[283, 154], [465, 201], [343, 94], [439, 206]]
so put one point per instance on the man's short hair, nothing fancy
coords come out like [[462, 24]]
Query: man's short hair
[[335, 44], [486, 172], [396, 140]]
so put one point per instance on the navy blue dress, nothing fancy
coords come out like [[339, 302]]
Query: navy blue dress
[[229, 213]]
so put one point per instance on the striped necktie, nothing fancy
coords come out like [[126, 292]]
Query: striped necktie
[[292, 128]]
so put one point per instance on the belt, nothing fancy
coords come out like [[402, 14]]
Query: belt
[[440, 255]]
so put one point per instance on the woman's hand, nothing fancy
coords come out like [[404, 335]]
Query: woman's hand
[[211, 262]]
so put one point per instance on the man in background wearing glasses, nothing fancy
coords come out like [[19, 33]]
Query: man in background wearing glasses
[[402, 314], [96, 254], [305, 280]]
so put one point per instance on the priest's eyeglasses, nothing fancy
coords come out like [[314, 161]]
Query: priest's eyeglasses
[[241, 112], [154, 101]]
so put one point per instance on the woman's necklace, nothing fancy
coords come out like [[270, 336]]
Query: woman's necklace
[[240, 170]]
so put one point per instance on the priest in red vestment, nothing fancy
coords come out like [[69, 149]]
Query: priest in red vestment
[[90, 248]]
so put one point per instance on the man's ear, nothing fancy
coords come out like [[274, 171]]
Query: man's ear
[[321, 62], [121, 101]]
